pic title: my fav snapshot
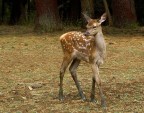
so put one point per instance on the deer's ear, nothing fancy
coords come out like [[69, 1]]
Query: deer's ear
[[103, 18], [88, 19]]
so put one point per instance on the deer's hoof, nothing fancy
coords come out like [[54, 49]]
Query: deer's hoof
[[61, 98], [103, 104], [93, 100], [83, 98], [104, 109]]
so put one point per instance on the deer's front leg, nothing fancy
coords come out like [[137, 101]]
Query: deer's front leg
[[72, 69], [96, 79], [93, 91]]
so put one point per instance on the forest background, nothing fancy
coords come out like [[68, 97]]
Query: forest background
[[31, 56], [51, 15]]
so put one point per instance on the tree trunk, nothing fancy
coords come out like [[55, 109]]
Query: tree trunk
[[15, 12], [87, 7], [47, 17], [5, 11], [1, 10], [123, 12], [70, 10], [18, 11], [23, 15], [108, 13], [75, 10], [139, 4]]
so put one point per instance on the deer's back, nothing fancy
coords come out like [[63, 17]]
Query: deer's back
[[77, 44]]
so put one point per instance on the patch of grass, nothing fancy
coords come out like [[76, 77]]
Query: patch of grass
[[27, 58]]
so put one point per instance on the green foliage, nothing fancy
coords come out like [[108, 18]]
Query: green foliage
[[132, 25]]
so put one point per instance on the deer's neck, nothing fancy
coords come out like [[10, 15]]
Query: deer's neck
[[100, 44]]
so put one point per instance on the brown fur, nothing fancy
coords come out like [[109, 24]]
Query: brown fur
[[92, 49]]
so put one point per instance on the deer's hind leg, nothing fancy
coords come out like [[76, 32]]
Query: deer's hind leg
[[65, 63], [73, 69]]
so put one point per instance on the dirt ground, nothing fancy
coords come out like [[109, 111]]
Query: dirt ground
[[29, 73]]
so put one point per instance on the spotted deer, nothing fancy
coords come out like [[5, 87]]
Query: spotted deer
[[90, 47]]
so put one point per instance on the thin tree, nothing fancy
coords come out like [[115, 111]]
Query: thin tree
[[123, 12], [75, 10], [47, 17], [87, 6], [108, 13]]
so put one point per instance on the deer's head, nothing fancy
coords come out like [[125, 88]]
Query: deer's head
[[94, 25]]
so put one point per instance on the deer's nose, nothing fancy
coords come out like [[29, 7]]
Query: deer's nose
[[86, 33]]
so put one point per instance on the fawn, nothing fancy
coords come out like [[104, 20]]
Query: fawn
[[90, 47]]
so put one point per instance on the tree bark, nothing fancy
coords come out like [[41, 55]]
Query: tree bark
[[108, 13], [2, 10], [15, 12], [123, 12], [75, 10], [87, 7], [47, 17], [18, 11], [23, 15]]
